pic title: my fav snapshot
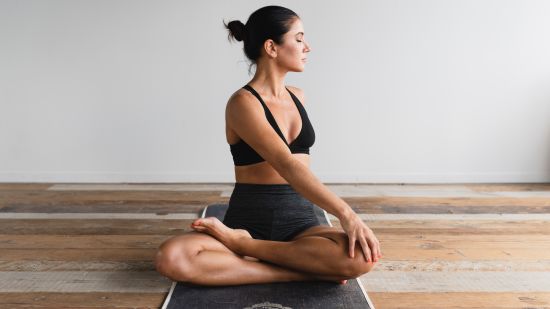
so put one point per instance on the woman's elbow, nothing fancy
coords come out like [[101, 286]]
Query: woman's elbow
[[285, 164]]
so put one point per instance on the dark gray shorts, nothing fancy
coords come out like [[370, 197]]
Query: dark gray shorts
[[269, 211]]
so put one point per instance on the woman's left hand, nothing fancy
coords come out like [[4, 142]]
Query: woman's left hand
[[357, 230]]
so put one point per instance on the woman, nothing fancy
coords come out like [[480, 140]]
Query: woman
[[270, 232]]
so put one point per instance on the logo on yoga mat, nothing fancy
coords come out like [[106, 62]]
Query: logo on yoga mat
[[267, 305]]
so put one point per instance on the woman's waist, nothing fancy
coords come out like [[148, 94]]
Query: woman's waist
[[263, 188], [263, 172], [266, 195]]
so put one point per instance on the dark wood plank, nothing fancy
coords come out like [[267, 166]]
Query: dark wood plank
[[94, 227], [6, 186], [63, 265], [107, 201], [80, 241], [81, 300], [78, 254]]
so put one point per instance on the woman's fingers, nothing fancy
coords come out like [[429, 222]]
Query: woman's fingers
[[351, 245], [365, 247], [375, 250], [374, 245], [358, 231]]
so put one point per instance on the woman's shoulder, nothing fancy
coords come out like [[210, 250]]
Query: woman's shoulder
[[241, 103], [240, 96]]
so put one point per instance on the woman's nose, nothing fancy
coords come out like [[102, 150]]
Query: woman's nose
[[308, 48]]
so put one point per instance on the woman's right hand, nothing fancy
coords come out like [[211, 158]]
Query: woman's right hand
[[357, 230]]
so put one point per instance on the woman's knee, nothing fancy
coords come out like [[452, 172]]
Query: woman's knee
[[174, 257], [359, 266], [347, 266]]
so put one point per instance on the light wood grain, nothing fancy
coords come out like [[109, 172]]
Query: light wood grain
[[454, 261]]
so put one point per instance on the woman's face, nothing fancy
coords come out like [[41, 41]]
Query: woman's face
[[292, 53]]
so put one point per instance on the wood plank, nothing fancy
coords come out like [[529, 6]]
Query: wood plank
[[514, 264], [6, 186], [461, 217], [171, 201], [474, 281], [164, 208], [11, 199], [447, 209], [439, 191], [95, 215], [460, 300], [81, 241], [143, 187], [84, 281], [365, 217], [82, 300], [484, 187], [454, 201], [94, 227], [182, 207], [381, 281], [481, 188], [78, 254], [462, 254], [452, 227], [103, 265], [107, 208]]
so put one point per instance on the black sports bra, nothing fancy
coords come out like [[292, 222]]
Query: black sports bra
[[243, 154]]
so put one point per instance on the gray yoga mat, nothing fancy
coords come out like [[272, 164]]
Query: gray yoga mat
[[280, 295]]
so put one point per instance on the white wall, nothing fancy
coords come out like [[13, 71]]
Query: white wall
[[398, 91]]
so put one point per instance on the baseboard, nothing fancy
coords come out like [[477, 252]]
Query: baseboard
[[183, 177]]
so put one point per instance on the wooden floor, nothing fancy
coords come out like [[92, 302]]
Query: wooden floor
[[445, 246]]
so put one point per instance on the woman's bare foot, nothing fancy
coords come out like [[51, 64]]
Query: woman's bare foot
[[214, 227]]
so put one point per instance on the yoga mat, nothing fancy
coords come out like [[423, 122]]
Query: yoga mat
[[280, 295]]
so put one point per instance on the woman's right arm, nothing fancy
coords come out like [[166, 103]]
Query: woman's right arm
[[248, 120]]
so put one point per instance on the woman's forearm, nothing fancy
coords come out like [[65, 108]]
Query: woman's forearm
[[302, 179]]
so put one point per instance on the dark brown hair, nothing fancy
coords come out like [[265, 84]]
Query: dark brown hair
[[268, 22]]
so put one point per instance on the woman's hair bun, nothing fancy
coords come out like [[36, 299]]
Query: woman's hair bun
[[236, 29]]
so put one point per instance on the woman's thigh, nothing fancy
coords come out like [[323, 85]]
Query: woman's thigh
[[338, 236], [334, 233]]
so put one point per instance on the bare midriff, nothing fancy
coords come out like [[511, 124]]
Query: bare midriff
[[263, 172]]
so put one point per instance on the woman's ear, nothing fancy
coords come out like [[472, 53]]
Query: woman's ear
[[270, 48]]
